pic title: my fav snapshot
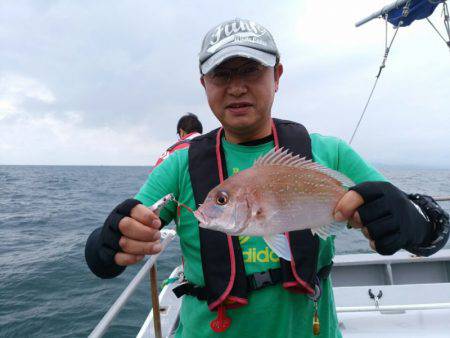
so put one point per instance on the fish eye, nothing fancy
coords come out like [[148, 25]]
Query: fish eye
[[222, 198]]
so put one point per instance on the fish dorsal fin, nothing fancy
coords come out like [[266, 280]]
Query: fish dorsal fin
[[283, 157]]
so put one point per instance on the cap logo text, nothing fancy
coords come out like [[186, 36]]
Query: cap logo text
[[238, 31]]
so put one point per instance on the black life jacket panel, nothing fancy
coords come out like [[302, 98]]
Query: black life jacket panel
[[222, 259]]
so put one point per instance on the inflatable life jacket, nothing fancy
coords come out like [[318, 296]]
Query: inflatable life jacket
[[180, 144], [226, 283]]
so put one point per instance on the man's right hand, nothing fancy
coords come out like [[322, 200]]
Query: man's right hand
[[130, 232], [139, 236]]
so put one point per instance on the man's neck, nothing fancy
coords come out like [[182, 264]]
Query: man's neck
[[237, 138]]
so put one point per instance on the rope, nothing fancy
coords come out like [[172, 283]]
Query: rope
[[446, 24], [385, 31], [446, 21], [383, 65], [179, 205], [442, 37]]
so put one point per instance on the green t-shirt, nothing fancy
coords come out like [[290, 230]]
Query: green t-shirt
[[272, 311]]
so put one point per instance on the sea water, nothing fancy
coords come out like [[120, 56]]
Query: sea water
[[46, 215]]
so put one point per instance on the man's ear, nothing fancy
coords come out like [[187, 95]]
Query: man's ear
[[278, 71], [202, 81]]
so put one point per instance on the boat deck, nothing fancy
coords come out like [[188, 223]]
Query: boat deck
[[414, 302]]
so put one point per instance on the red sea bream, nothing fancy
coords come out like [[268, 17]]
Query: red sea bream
[[279, 193]]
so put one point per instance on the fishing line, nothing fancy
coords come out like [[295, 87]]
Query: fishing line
[[382, 66], [179, 205]]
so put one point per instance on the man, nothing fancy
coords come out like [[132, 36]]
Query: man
[[238, 286], [188, 127]]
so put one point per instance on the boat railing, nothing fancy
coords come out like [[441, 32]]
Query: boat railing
[[149, 267]]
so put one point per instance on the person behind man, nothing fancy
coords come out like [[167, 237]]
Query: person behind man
[[238, 286], [188, 127]]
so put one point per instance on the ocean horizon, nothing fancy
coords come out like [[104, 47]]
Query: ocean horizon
[[379, 166]]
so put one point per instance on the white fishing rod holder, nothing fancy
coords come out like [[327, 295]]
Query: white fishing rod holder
[[167, 236]]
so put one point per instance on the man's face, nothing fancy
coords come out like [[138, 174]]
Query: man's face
[[240, 93]]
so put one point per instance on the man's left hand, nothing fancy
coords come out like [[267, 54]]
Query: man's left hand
[[385, 215], [346, 210]]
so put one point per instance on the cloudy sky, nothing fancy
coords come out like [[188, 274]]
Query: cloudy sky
[[104, 82]]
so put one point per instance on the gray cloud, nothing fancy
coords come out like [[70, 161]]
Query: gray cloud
[[131, 67]]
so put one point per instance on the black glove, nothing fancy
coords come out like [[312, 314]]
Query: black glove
[[103, 244], [392, 220]]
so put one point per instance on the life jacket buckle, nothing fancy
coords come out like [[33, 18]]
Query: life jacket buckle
[[183, 288], [187, 288], [260, 280]]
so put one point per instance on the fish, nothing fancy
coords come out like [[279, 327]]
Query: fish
[[279, 193]]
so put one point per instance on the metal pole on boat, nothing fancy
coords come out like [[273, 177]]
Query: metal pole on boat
[[156, 208], [442, 198], [381, 12], [155, 302]]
